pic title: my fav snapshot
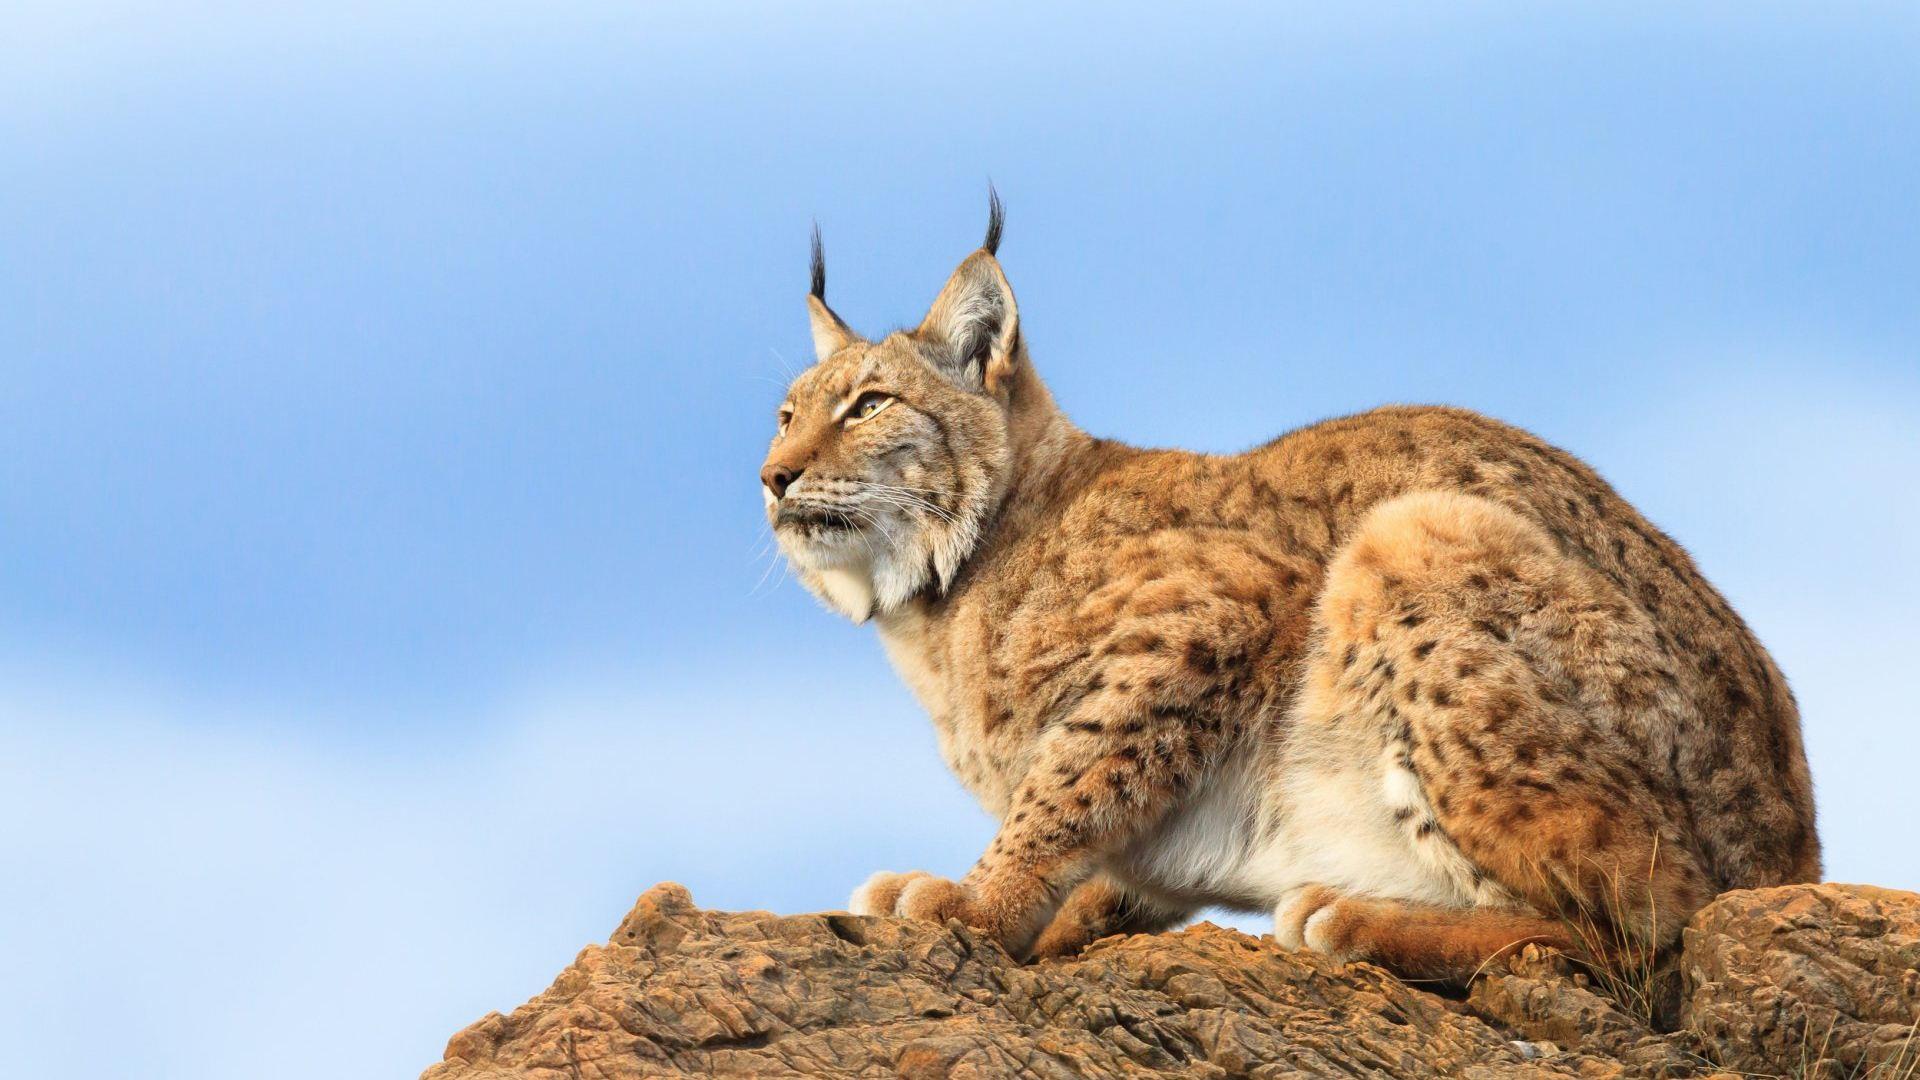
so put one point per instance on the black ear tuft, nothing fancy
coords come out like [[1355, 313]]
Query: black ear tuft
[[996, 219], [819, 289]]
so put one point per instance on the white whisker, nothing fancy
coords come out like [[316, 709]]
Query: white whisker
[[785, 367]]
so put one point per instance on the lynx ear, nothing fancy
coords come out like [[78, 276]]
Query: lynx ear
[[976, 325], [974, 318], [830, 334]]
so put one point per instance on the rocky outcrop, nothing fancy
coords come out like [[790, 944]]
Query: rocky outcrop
[[681, 991], [1829, 973]]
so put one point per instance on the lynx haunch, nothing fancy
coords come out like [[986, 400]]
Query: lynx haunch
[[1415, 681]]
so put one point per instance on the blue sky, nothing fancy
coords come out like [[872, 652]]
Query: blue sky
[[384, 597]]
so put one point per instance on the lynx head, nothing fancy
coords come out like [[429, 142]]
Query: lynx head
[[891, 456]]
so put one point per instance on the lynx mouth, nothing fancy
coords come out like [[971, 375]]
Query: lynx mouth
[[814, 519]]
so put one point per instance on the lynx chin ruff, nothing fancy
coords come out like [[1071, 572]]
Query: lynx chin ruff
[[1415, 681]]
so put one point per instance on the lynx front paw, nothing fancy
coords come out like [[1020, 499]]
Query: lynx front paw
[[935, 899], [880, 894], [914, 895]]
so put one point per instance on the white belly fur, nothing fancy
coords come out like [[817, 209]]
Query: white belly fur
[[1244, 840]]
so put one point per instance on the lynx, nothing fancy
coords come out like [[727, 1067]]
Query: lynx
[[1414, 681]]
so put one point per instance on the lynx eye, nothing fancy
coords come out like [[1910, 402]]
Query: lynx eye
[[870, 403], [786, 417]]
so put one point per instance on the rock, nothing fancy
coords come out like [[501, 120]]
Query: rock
[[1547, 999], [682, 991], [1781, 980]]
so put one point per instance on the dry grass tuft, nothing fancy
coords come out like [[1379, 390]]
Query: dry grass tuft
[[1618, 950], [1818, 1063]]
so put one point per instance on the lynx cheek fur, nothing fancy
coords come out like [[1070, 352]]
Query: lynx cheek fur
[[1414, 680]]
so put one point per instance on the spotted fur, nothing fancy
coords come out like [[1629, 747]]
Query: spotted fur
[[1417, 681]]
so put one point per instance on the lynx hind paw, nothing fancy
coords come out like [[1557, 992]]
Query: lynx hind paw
[[1309, 917], [880, 894]]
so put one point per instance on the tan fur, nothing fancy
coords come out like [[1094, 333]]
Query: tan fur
[[1414, 673], [1100, 908]]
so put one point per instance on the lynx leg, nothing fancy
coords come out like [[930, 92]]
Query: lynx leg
[[1100, 779], [1108, 769], [1521, 710], [1101, 908], [1418, 941]]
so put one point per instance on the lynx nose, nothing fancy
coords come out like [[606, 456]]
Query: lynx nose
[[778, 478]]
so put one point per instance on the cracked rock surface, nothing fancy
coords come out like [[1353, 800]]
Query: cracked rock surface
[[1781, 976], [682, 991]]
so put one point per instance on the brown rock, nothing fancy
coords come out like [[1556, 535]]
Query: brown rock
[[1806, 980], [681, 991], [1550, 1001]]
